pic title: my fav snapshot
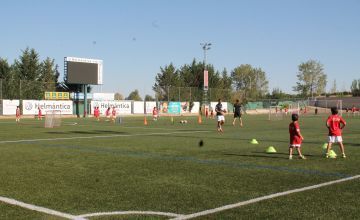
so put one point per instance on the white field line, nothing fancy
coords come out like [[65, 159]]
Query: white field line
[[130, 213], [236, 205], [39, 208], [100, 136]]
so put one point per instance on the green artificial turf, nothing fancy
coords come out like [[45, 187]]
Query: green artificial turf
[[95, 167]]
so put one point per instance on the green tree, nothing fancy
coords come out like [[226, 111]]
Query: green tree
[[134, 95], [48, 75], [149, 98], [311, 78], [118, 96], [167, 78], [333, 88], [277, 93], [9, 83], [355, 87], [27, 70], [251, 80]]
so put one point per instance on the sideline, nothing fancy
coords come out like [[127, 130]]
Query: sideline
[[271, 196]]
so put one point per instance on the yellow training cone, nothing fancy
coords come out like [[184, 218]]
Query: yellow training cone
[[270, 150], [332, 154], [254, 141]]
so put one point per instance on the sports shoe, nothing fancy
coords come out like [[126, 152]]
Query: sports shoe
[[343, 156], [302, 157], [290, 157]]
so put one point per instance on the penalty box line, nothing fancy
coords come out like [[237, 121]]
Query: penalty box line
[[255, 200], [101, 136]]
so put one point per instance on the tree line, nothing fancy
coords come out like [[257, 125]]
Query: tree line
[[28, 77]]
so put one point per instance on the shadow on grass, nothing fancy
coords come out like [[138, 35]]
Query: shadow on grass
[[98, 132], [267, 155]]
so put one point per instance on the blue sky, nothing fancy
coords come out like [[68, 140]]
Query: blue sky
[[135, 38]]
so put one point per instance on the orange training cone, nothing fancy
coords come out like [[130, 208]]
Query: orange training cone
[[199, 119], [145, 121]]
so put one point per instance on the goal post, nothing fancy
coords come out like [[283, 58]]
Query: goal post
[[283, 109], [323, 106], [52, 118]]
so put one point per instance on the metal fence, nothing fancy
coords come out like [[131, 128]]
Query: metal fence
[[24, 89], [193, 94]]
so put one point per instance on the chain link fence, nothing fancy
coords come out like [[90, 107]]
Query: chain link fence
[[24, 89]]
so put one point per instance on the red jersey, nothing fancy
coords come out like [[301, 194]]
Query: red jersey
[[334, 123], [107, 113], [39, 113], [96, 112], [294, 130], [17, 112], [353, 109], [155, 112], [113, 112]]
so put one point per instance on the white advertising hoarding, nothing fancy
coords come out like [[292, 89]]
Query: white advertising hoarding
[[149, 106], [30, 107], [122, 107], [138, 107], [195, 108], [9, 106]]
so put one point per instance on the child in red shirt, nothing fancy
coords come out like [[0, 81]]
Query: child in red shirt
[[18, 114], [113, 115], [335, 123], [39, 114], [155, 114], [295, 136]]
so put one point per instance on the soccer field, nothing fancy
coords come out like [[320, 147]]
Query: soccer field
[[98, 170]]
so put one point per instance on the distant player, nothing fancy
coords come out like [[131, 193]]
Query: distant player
[[113, 114], [237, 112], [18, 114], [107, 113], [353, 110], [220, 116], [335, 123], [295, 136], [39, 114], [97, 113], [155, 114]]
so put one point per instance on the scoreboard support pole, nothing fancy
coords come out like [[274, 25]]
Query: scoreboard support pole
[[85, 99]]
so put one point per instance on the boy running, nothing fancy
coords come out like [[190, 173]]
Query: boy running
[[220, 116], [295, 136], [335, 123]]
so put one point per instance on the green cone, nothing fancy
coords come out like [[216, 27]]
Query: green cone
[[270, 150], [332, 154], [254, 141]]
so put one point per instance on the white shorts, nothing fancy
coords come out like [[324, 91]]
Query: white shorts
[[220, 118], [295, 145], [334, 139]]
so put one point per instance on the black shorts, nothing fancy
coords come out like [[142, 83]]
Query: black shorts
[[237, 115]]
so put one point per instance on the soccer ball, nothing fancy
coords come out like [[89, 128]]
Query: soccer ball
[[183, 121]]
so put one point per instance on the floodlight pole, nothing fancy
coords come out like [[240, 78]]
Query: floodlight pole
[[85, 99], [205, 47]]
